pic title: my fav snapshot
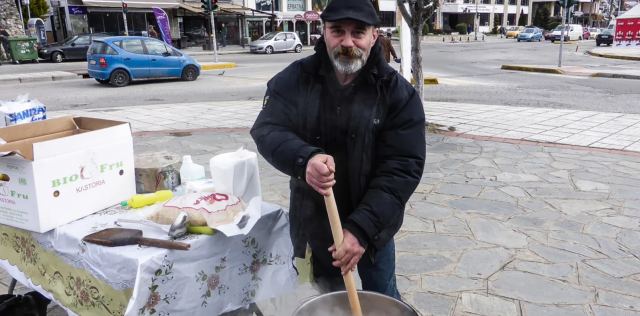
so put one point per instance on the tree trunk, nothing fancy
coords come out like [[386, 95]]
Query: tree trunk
[[416, 59]]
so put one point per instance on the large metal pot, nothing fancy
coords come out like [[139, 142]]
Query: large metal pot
[[337, 304]]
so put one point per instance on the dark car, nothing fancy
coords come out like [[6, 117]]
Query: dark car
[[548, 35], [606, 37], [73, 48]]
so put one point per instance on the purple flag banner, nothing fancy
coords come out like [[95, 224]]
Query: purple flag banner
[[163, 25]]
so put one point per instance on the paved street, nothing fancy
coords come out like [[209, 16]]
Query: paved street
[[528, 204], [468, 73]]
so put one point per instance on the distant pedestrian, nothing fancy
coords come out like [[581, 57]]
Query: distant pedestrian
[[469, 29], [4, 41], [387, 48], [223, 35], [152, 32]]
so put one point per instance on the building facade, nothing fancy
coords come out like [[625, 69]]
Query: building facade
[[236, 21], [485, 14]]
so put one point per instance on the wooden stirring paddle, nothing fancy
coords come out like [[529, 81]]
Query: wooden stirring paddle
[[336, 231]]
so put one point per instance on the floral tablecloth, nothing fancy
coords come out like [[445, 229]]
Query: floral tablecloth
[[217, 274]]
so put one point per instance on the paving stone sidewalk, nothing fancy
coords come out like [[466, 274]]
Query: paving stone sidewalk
[[573, 127], [493, 228]]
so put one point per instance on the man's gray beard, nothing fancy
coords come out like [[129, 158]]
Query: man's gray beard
[[348, 66]]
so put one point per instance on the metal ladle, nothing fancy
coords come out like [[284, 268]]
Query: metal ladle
[[177, 229]]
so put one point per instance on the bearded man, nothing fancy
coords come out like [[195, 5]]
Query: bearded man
[[342, 119]]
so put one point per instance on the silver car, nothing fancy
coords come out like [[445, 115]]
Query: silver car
[[277, 42]]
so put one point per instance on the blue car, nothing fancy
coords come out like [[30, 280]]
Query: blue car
[[530, 34], [120, 59]]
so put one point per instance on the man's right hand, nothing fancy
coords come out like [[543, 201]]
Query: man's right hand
[[320, 173]]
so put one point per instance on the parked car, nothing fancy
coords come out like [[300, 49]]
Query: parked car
[[572, 32], [277, 42], [73, 48], [530, 34], [606, 37], [513, 31], [585, 33], [120, 59], [548, 35], [594, 31]]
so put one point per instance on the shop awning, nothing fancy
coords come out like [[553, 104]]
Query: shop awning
[[165, 4], [239, 9]]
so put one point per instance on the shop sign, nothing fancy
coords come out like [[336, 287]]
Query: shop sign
[[311, 16], [298, 17], [76, 10], [295, 5]]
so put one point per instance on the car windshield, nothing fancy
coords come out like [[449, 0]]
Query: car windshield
[[607, 32], [268, 36], [559, 27], [70, 40], [529, 31]]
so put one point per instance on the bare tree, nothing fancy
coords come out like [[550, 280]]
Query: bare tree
[[419, 12]]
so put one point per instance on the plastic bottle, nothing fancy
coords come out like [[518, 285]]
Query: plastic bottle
[[190, 171], [142, 200]]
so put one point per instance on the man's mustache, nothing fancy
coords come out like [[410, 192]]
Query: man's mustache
[[349, 52]]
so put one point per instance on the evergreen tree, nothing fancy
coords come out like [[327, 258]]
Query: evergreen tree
[[542, 17], [39, 9], [522, 21]]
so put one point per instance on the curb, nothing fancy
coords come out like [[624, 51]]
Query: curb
[[216, 66], [427, 80], [636, 58], [546, 70], [614, 75]]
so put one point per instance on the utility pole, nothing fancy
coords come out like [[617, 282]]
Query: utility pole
[[477, 21], [273, 23], [564, 14], [26, 2], [213, 36], [124, 17]]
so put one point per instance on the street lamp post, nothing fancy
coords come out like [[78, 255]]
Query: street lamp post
[[476, 22], [273, 27]]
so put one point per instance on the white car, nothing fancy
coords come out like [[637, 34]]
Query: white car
[[572, 32], [594, 31], [277, 42]]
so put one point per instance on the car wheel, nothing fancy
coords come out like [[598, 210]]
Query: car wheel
[[56, 57], [190, 73], [553, 41], [119, 78], [579, 38], [597, 44], [102, 81], [518, 40], [268, 50], [298, 48]]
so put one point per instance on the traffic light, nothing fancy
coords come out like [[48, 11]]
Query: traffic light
[[206, 6], [214, 5], [125, 8]]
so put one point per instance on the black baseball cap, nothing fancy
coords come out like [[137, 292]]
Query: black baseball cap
[[359, 10]]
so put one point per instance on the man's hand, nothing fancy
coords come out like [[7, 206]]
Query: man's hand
[[346, 257], [320, 173]]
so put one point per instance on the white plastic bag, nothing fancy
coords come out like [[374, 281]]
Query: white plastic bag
[[21, 110]]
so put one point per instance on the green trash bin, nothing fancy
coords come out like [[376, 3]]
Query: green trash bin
[[23, 48]]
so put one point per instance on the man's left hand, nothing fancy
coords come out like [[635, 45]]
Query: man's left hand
[[346, 256]]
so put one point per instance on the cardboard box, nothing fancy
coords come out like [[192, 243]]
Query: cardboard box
[[55, 171]]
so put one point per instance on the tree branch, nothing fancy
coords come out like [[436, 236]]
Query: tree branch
[[403, 10]]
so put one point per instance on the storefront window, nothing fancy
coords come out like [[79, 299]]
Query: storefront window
[[265, 5]]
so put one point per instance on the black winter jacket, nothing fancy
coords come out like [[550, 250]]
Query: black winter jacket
[[386, 148]]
